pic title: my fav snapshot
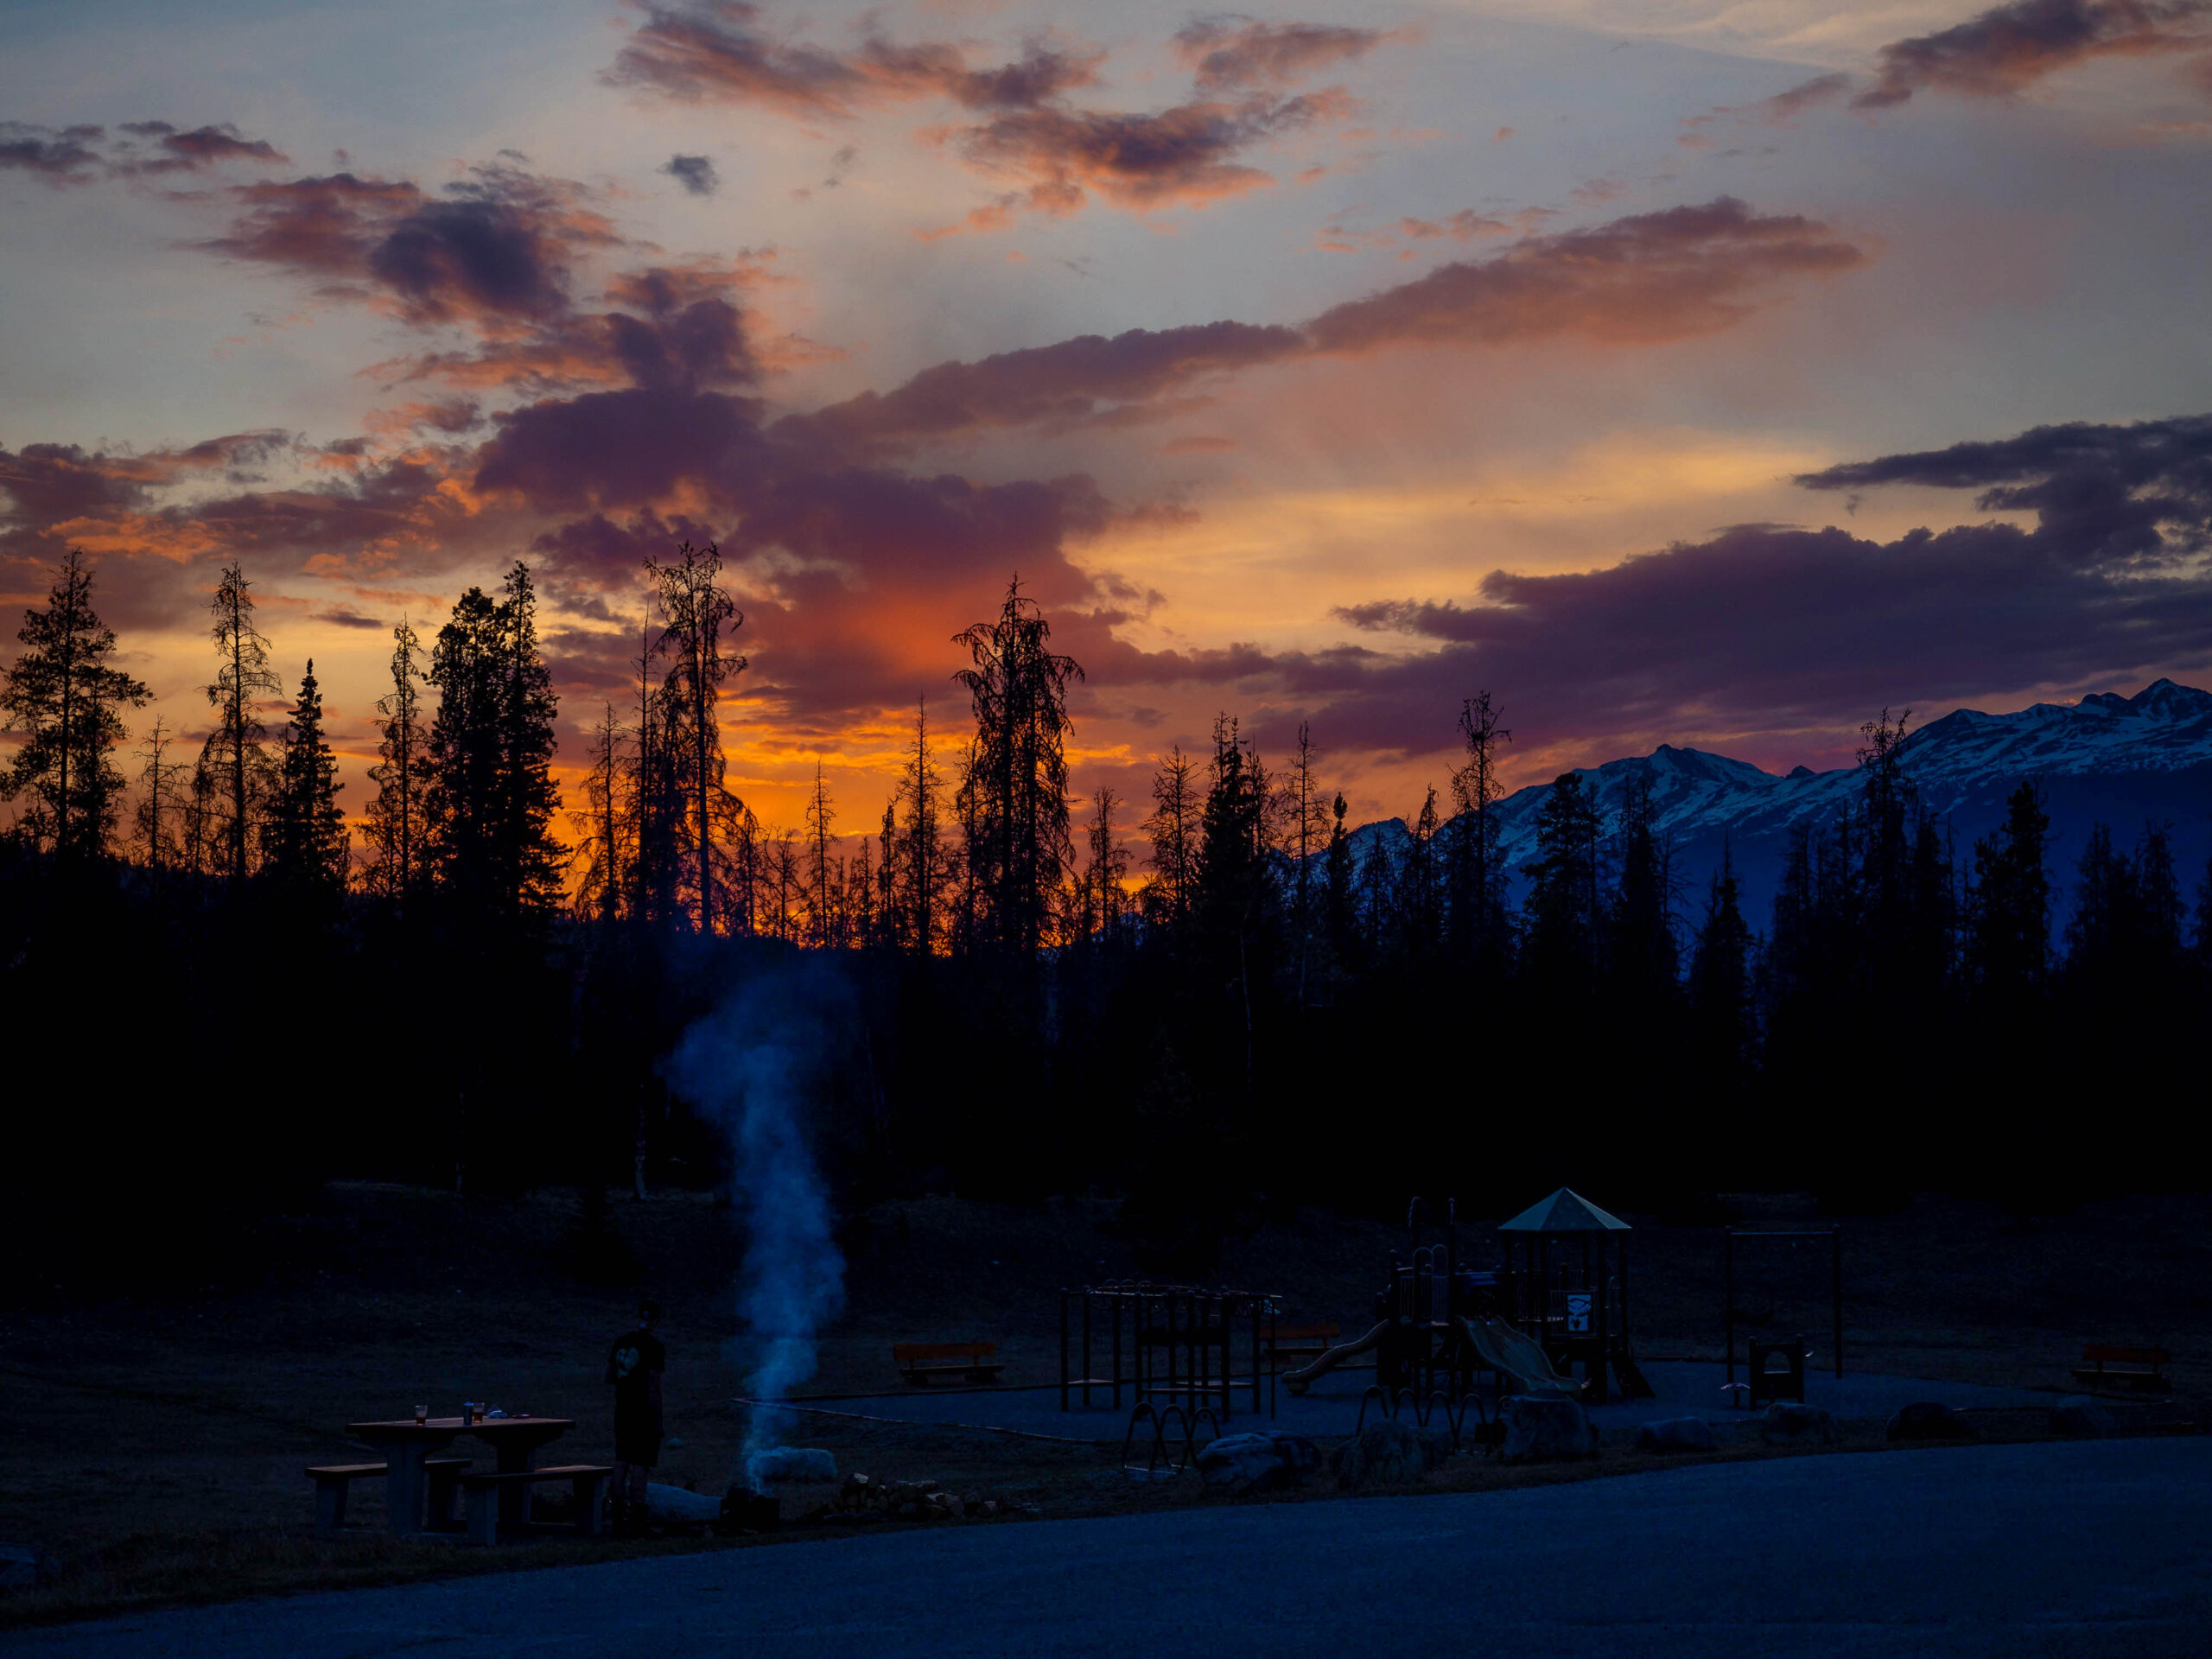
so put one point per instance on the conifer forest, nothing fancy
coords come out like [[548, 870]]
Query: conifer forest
[[1213, 1001]]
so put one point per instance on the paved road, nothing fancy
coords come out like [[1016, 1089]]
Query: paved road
[[2089, 1549]]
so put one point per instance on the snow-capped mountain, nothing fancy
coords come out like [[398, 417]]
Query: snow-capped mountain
[[2123, 761]]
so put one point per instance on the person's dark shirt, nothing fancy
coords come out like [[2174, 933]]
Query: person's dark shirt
[[634, 1365]]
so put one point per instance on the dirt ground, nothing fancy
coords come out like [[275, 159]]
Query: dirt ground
[[153, 1451]]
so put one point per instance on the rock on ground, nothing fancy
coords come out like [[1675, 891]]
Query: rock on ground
[[1675, 1435], [1258, 1462], [20, 1568], [1924, 1419], [1786, 1421], [1392, 1453], [1539, 1429]]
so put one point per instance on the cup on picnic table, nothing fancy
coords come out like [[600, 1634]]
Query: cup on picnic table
[[422, 1415]]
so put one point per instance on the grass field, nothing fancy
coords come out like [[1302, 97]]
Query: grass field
[[154, 1450]]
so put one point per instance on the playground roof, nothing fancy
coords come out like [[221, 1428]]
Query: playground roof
[[1564, 1211]]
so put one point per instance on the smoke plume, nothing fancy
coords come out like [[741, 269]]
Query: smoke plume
[[751, 1065]]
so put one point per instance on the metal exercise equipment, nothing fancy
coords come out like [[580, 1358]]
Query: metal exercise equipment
[[1172, 1343]]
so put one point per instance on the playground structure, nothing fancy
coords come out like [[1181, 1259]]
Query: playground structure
[[1784, 1344], [1173, 1347], [1427, 1355], [1560, 1290], [1416, 1346], [1544, 1311], [1444, 1328]]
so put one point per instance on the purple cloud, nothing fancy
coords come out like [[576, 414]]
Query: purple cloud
[[1235, 54], [2011, 46]]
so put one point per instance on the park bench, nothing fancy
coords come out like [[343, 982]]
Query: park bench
[[1300, 1341], [483, 1493], [333, 1480], [919, 1362], [2135, 1369]]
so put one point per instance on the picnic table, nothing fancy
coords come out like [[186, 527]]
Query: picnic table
[[406, 1444]]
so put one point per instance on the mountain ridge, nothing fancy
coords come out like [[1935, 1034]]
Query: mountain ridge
[[2119, 760]]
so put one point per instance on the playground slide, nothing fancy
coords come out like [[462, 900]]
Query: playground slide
[[1299, 1381], [1506, 1351], [1497, 1343]]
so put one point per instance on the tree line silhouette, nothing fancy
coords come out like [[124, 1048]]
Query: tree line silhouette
[[1251, 1010]]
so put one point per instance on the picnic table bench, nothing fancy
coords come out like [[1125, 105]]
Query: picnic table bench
[[486, 1497], [334, 1480], [2106, 1366], [919, 1362]]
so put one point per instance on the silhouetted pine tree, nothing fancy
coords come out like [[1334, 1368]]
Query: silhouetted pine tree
[[655, 802], [2159, 892], [2126, 926], [1419, 903], [395, 830], [603, 827], [1014, 806], [1724, 1018], [1235, 908], [1643, 957], [1173, 828], [1811, 979], [1904, 921], [202, 823], [159, 818], [2104, 906], [232, 755], [2008, 902], [1482, 931], [2133, 1013], [1375, 905], [1104, 901], [1343, 899], [1561, 952], [859, 900], [744, 872], [2201, 940], [888, 916], [63, 697], [688, 735], [922, 865], [824, 919], [785, 884], [489, 808], [1306, 819], [1234, 875], [303, 839]]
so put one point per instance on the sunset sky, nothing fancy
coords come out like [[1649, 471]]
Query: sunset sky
[[1315, 363]]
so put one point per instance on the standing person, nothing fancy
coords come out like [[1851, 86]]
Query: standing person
[[634, 1366]]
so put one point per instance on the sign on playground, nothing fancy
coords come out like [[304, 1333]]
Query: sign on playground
[[1578, 1313]]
